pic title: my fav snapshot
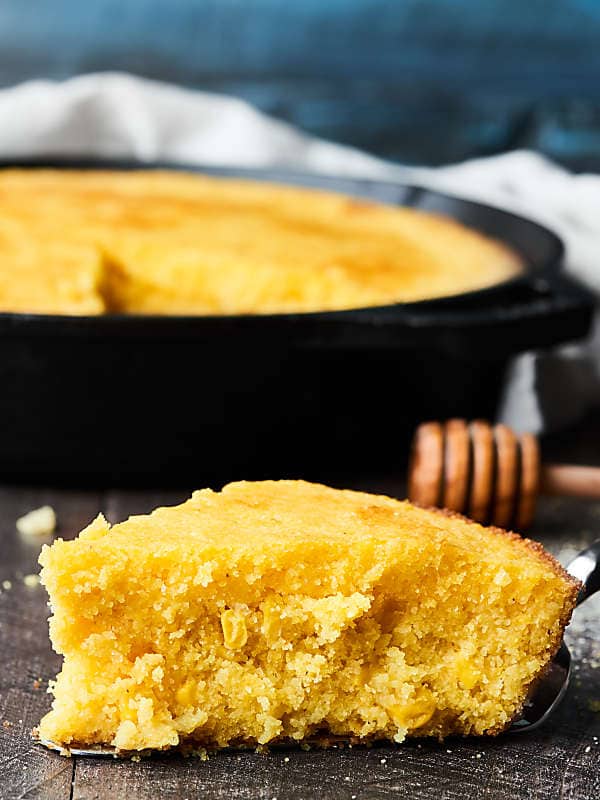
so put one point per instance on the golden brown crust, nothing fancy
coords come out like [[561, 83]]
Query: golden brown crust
[[535, 547]]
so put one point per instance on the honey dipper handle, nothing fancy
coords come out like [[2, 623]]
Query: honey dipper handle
[[571, 480]]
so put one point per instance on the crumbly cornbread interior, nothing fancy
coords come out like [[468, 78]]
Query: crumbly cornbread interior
[[275, 610], [74, 242]]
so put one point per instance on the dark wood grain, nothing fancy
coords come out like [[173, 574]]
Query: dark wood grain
[[562, 760], [26, 660]]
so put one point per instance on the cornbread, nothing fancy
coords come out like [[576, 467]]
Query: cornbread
[[277, 610], [75, 242]]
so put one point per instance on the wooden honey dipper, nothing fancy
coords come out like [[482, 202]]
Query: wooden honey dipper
[[489, 473]]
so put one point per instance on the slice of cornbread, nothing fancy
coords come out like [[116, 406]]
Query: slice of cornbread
[[277, 610]]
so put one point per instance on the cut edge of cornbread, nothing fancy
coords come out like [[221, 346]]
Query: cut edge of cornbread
[[362, 632], [539, 550]]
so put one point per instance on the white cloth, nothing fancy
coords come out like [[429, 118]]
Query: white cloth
[[116, 115]]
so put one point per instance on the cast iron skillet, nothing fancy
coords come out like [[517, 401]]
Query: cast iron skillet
[[130, 399], [539, 294]]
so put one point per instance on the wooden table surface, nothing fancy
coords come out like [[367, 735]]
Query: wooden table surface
[[561, 760]]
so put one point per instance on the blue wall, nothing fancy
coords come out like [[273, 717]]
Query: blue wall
[[415, 80]]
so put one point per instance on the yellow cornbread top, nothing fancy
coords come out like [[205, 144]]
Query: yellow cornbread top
[[175, 243], [290, 536]]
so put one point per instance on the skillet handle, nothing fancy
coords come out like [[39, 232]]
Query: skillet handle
[[548, 311], [551, 310], [586, 568]]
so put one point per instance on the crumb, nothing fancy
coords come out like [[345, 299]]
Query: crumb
[[136, 758], [31, 581], [448, 751], [36, 684], [286, 759], [383, 761], [478, 755], [6, 724], [7, 585], [39, 522], [587, 749]]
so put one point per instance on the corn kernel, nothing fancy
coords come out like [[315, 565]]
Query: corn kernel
[[467, 674], [271, 625], [185, 695], [235, 634], [412, 715]]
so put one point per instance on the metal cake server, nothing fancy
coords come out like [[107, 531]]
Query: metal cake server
[[552, 688], [544, 700]]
